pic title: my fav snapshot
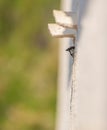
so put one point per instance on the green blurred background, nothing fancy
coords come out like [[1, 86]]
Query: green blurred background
[[28, 65]]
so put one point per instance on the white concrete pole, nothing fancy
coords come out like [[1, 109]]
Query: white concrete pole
[[65, 66]]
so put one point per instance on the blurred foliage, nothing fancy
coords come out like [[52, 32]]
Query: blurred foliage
[[28, 65]]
